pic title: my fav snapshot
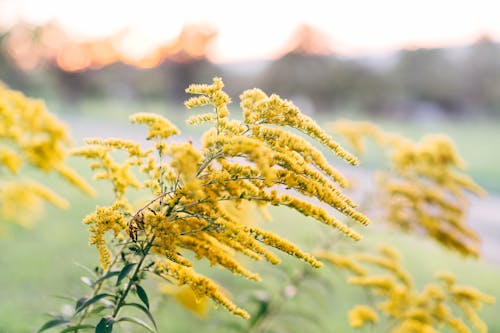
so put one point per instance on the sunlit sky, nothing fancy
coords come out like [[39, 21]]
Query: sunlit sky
[[261, 28]]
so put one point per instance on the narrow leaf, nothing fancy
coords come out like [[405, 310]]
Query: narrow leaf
[[138, 322], [107, 276], [53, 323], [76, 328], [80, 301], [55, 315], [105, 325], [64, 297], [87, 281], [135, 248], [142, 295], [143, 309], [85, 268], [97, 309], [91, 301], [124, 272]]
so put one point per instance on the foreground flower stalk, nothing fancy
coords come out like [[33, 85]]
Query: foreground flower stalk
[[265, 159]]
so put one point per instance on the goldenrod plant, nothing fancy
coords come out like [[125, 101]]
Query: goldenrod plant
[[425, 188], [405, 308], [30, 137], [198, 194], [265, 159]]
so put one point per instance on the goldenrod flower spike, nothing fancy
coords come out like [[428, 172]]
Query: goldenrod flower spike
[[30, 137], [200, 285], [159, 127], [276, 111], [283, 245], [199, 194], [187, 298], [211, 94], [20, 199], [394, 295], [74, 178], [105, 219], [342, 262], [360, 315], [10, 159], [426, 189]]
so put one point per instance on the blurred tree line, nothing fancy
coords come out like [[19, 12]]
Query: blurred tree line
[[439, 81]]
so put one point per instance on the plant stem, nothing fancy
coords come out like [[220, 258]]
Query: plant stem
[[208, 161], [131, 281], [98, 286]]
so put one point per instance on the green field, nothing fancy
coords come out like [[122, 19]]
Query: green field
[[43, 261]]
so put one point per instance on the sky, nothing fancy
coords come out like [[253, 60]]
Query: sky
[[261, 28]]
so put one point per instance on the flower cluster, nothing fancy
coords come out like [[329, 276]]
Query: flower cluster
[[32, 137], [425, 188], [410, 310], [257, 161]]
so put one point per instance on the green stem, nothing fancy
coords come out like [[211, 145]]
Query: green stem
[[131, 281], [208, 161], [98, 286]]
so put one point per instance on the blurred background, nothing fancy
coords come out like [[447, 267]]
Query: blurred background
[[414, 68], [415, 61]]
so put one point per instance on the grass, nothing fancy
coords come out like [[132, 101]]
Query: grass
[[41, 262]]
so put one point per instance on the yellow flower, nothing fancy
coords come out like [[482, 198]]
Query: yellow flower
[[200, 285], [395, 296], [198, 194], [426, 189], [31, 136], [73, 178], [9, 159], [158, 126], [187, 298], [360, 315], [105, 219]]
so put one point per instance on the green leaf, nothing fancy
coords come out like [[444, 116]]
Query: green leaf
[[85, 268], [55, 315], [142, 295], [66, 298], [105, 325], [91, 301], [107, 276], [80, 301], [97, 309], [124, 272], [53, 323], [87, 281], [76, 328], [138, 322], [262, 311], [135, 248], [143, 309]]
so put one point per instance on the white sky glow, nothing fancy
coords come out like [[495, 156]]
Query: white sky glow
[[260, 28]]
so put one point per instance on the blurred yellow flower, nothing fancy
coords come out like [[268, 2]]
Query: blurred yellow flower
[[360, 315], [187, 298], [425, 189], [30, 137]]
